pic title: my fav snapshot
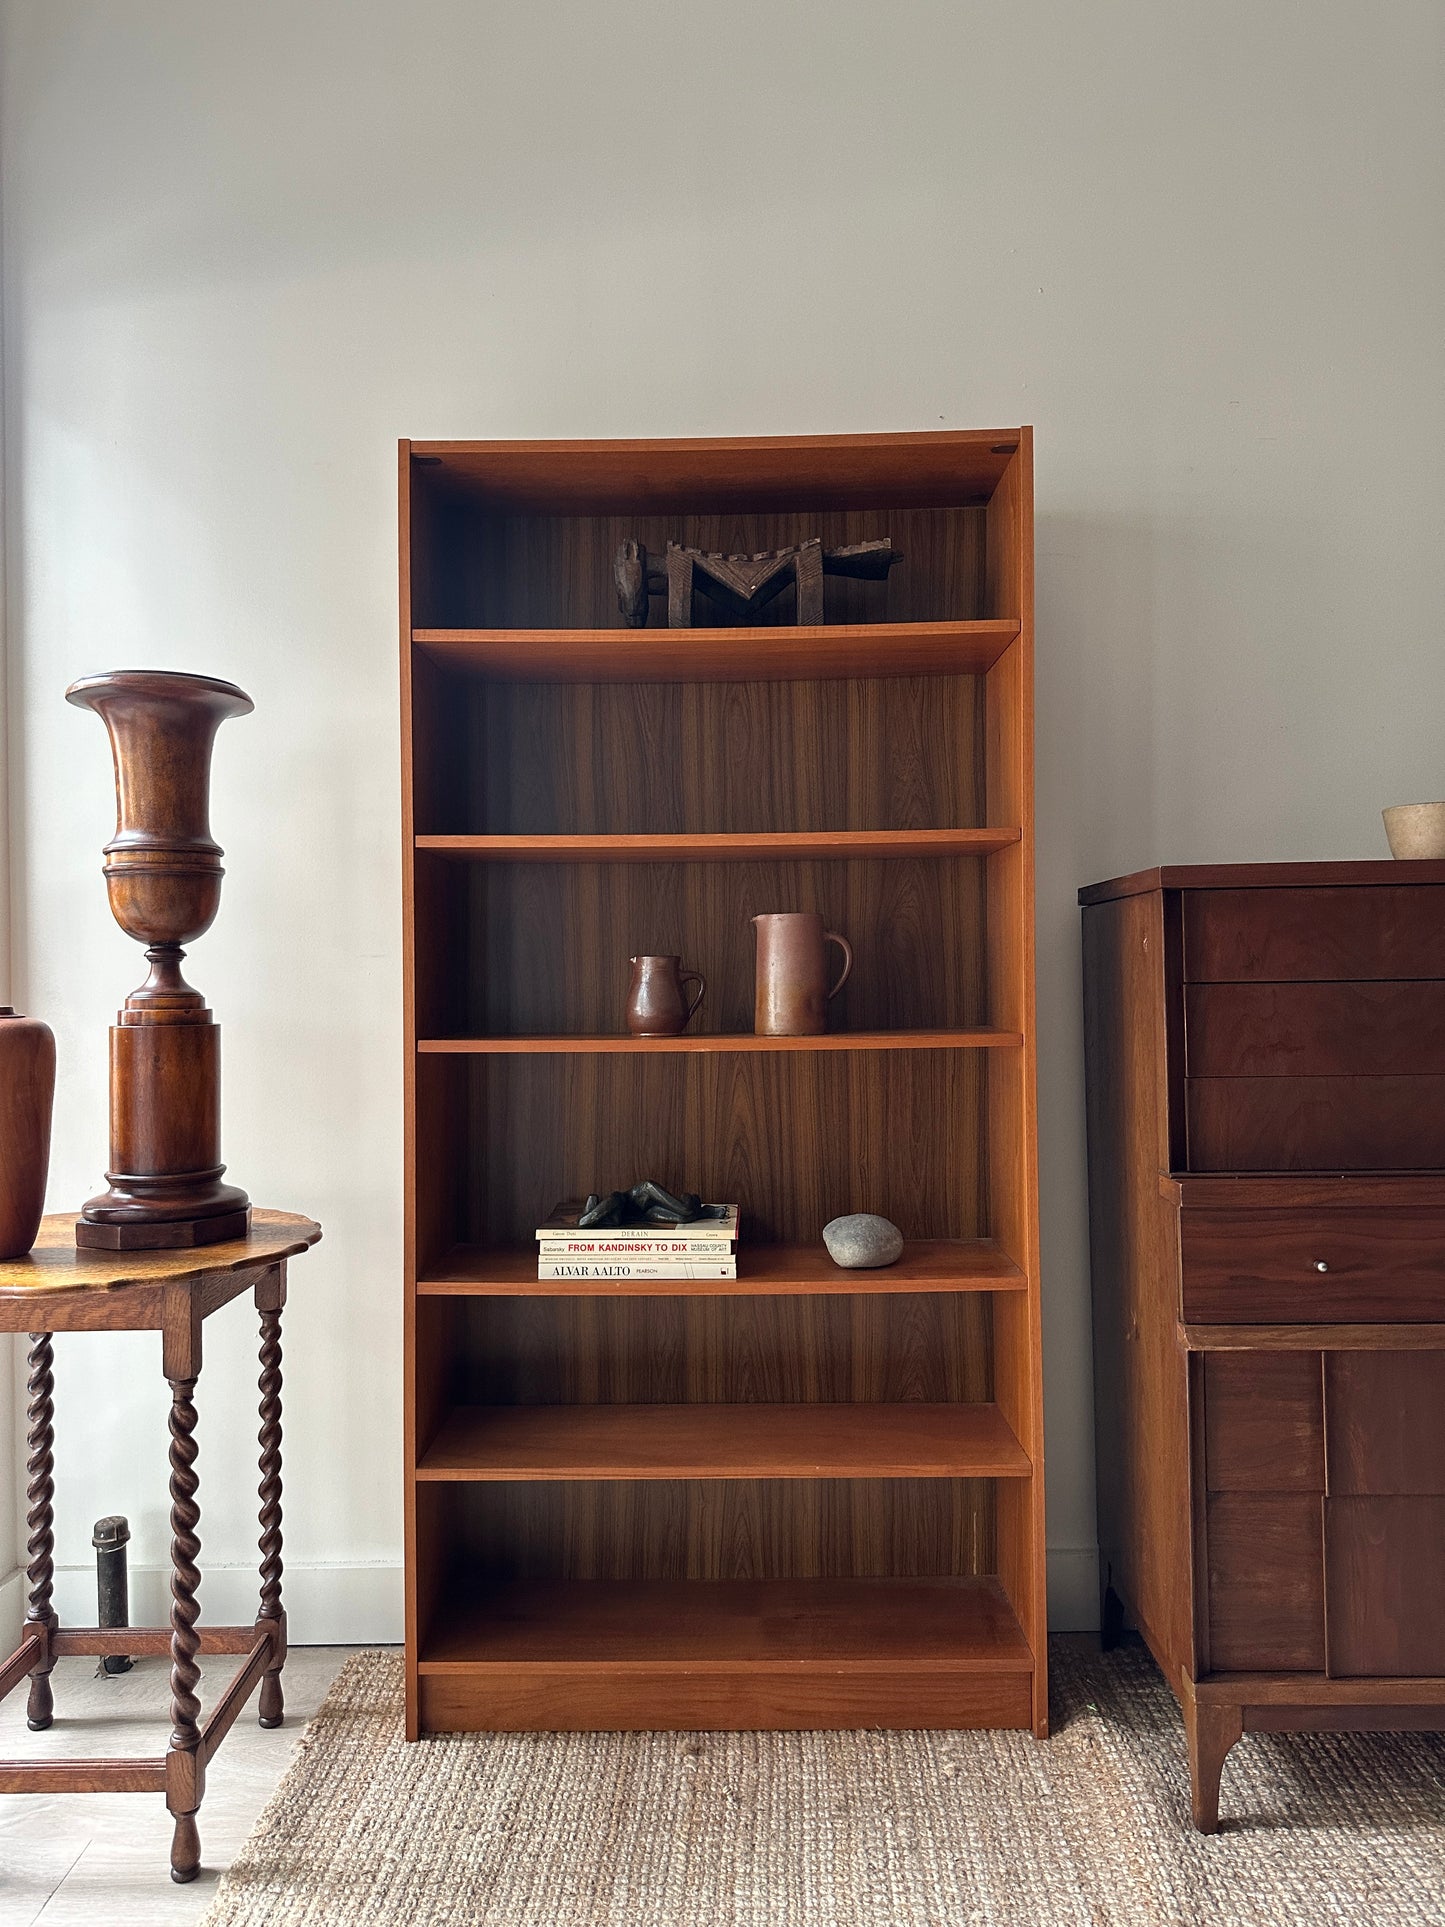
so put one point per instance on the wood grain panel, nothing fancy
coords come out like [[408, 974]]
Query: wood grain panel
[[657, 1351], [1336, 933], [603, 758], [1386, 1422], [1316, 1123], [1385, 1558], [744, 1699], [545, 948], [1264, 1422], [724, 1529], [1266, 1583], [799, 1137], [1260, 1266], [1142, 1413], [1381, 1029], [510, 571]]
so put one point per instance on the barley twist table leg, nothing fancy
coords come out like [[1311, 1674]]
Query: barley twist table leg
[[272, 1709], [40, 1519], [185, 1640]]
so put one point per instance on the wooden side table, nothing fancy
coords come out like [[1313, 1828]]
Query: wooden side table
[[57, 1288]]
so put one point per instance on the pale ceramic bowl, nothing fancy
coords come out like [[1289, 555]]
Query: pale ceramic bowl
[[1416, 829]]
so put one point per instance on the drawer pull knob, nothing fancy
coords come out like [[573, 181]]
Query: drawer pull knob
[[1320, 1265]]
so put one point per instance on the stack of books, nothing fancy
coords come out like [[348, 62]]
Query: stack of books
[[707, 1248]]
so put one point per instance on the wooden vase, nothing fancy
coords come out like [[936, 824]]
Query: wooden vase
[[163, 873], [27, 1092]]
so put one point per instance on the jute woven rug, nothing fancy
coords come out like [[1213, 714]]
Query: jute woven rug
[[859, 1829]]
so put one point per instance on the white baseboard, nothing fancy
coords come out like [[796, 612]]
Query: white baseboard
[[362, 1605], [325, 1605], [1073, 1589]]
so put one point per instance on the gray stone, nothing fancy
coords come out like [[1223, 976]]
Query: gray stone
[[862, 1242]]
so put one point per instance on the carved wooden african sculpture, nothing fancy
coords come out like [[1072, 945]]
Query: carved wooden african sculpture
[[741, 584]]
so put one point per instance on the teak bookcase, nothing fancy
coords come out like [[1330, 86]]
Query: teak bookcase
[[811, 1497]]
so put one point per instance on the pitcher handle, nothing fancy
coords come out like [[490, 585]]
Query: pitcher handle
[[831, 936], [692, 977]]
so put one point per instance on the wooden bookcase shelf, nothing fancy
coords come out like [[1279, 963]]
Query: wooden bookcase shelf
[[807, 1496], [848, 1040], [596, 1654], [713, 655], [936, 1264], [774, 848], [905, 1440]]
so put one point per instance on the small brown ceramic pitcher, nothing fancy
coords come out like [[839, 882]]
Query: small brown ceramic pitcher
[[793, 993], [656, 1006]]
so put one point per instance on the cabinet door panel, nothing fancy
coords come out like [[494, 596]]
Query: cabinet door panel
[[1263, 1422], [1386, 1423], [1266, 1583], [1385, 1561], [1324, 935]]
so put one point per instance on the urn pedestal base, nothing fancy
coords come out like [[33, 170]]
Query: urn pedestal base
[[179, 1234], [165, 1191]]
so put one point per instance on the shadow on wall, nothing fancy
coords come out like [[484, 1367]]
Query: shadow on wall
[[1199, 700], [1096, 787]]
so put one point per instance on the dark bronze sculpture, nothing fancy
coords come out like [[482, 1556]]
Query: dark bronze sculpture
[[741, 584], [645, 1203]]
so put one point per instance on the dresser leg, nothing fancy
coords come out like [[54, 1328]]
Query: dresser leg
[[184, 1768], [40, 1521], [268, 1297], [1212, 1730]]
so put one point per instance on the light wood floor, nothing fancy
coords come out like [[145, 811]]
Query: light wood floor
[[103, 1858]]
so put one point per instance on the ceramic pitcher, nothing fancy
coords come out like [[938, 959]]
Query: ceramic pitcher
[[656, 1006], [793, 993]]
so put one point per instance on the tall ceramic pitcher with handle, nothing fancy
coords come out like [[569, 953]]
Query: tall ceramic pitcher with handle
[[793, 993]]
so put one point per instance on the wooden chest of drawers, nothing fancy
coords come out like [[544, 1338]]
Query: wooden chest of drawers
[[1266, 1097]]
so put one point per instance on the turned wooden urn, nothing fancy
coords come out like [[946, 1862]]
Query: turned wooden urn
[[27, 1091], [163, 873]]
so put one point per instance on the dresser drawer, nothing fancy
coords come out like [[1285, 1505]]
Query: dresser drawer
[[1362, 1029], [1337, 933], [1315, 1123], [1264, 1267]]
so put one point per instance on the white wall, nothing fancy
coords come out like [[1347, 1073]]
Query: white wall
[[1199, 246]]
